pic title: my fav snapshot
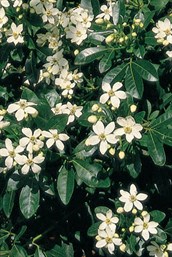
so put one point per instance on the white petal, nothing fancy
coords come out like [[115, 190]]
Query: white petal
[[121, 121], [24, 141], [20, 159], [111, 139], [109, 128], [19, 115], [145, 234], [103, 147], [4, 152], [138, 229], [25, 169], [27, 132], [101, 216], [9, 162], [8, 144], [30, 110], [133, 189], [63, 137], [50, 142], [104, 98], [102, 226], [60, 145], [115, 101], [129, 137], [138, 205], [121, 94], [13, 108], [101, 243], [111, 248], [128, 206], [141, 196], [117, 86], [109, 214], [35, 168], [93, 140], [106, 87], [98, 128]]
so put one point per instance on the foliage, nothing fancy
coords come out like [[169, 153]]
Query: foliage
[[85, 113]]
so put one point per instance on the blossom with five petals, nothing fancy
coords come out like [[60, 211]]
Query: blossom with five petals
[[108, 220], [132, 199], [54, 137], [145, 226], [103, 136]]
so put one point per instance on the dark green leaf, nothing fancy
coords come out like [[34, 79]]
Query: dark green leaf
[[159, 4], [57, 251], [86, 4], [95, 7], [146, 70], [163, 120], [32, 72], [65, 184], [133, 82], [93, 230], [21, 233], [30, 96], [39, 253], [115, 12], [18, 251], [155, 149], [106, 62], [116, 74], [58, 122], [90, 54], [8, 202], [59, 4], [157, 215], [168, 228], [29, 201]]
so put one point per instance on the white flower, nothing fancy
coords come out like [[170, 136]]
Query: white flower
[[3, 17], [31, 140], [3, 123], [169, 53], [55, 138], [30, 163], [76, 33], [59, 108], [65, 82], [112, 94], [106, 12], [130, 128], [4, 3], [77, 76], [73, 111], [145, 226], [163, 31], [56, 63], [103, 136], [132, 199], [108, 220], [155, 250], [22, 109], [49, 13], [10, 152], [106, 238], [14, 34]]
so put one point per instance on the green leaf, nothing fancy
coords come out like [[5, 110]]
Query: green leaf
[[95, 7], [58, 122], [159, 4], [8, 202], [59, 4], [52, 97], [29, 201], [39, 253], [106, 62], [21, 233], [115, 12], [150, 39], [93, 230], [87, 172], [57, 251], [102, 209], [32, 72], [90, 54], [146, 70], [29, 95], [155, 149], [86, 4], [68, 249], [157, 215], [163, 120], [116, 74], [161, 237], [133, 82], [18, 251], [168, 228], [65, 184]]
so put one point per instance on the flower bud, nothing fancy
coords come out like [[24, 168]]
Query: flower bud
[[121, 155], [165, 254], [95, 107], [20, 16], [122, 248], [121, 40], [120, 210], [35, 114], [35, 148], [3, 112], [99, 21], [124, 24], [141, 25], [87, 142], [134, 34], [169, 247], [116, 235], [109, 25], [144, 213], [17, 9], [109, 38], [76, 52], [25, 6], [92, 119], [112, 151], [134, 211], [165, 43], [131, 229], [133, 108]]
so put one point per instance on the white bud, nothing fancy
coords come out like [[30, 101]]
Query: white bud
[[92, 119]]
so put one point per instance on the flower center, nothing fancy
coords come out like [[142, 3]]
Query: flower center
[[22, 105], [132, 198], [12, 154], [29, 162], [56, 136], [145, 225], [49, 13], [78, 33], [108, 221], [108, 240], [127, 130], [15, 35], [73, 110], [102, 137], [32, 138], [111, 93]]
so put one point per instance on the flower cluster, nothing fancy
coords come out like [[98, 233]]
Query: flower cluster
[[163, 31], [112, 231]]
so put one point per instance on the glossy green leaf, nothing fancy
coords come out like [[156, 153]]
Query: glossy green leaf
[[90, 54], [65, 184], [159, 4], [21, 233], [93, 230], [106, 62], [39, 253], [32, 72], [162, 120], [56, 251], [59, 4], [115, 12], [86, 4], [17, 251], [29, 95], [155, 149], [8, 202], [168, 228], [146, 70], [58, 122], [157, 215], [116, 74], [133, 82], [87, 172], [29, 201]]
